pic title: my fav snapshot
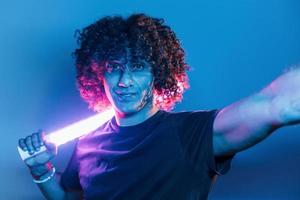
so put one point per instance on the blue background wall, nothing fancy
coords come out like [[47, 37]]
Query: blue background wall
[[234, 47]]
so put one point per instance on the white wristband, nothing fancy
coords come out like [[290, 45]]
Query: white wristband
[[47, 178]]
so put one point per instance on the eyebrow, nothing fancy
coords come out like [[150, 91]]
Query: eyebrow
[[115, 61], [139, 60]]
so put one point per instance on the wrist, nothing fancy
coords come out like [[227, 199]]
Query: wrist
[[45, 177], [40, 170]]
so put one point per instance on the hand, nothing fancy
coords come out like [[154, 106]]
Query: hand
[[32, 144]]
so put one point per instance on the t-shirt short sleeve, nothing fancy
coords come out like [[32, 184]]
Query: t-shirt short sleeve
[[70, 177], [219, 165], [197, 137]]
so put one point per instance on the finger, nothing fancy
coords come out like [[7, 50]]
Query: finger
[[28, 143], [51, 147], [41, 135], [22, 144], [35, 141]]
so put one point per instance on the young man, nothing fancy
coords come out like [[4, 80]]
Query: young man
[[136, 65]]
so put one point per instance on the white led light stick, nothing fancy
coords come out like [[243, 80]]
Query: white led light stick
[[72, 131]]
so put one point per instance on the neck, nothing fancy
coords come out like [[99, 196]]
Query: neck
[[137, 117]]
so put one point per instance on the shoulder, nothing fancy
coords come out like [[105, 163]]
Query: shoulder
[[102, 129], [188, 122], [194, 115]]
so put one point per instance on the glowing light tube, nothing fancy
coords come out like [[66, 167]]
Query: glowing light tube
[[72, 131]]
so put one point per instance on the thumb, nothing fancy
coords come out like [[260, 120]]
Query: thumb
[[50, 146]]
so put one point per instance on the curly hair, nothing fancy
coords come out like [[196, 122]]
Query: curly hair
[[147, 38]]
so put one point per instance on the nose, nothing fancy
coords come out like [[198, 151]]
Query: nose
[[125, 79]]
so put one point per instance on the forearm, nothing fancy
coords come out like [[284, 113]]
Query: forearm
[[52, 190], [47, 180], [285, 93], [250, 120]]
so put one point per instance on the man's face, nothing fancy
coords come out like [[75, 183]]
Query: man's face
[[128, 86]]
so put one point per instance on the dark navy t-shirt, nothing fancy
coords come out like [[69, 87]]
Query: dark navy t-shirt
[[168, 156]]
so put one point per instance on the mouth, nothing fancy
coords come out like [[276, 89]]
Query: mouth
[[125, 93], [126, 96]]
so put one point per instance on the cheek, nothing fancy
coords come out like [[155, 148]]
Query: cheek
[[146, 84], [108, 83]]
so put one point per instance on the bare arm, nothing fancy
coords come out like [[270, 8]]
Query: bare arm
[[42, 170], [52, 190], [250, 120]]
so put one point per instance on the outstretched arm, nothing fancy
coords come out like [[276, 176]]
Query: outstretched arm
[[250, 120]]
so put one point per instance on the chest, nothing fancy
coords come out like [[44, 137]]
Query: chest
[[113, 164]]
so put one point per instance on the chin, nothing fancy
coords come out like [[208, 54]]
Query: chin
[[128, 108]]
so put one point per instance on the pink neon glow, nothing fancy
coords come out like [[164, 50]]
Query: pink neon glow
[[80, 128]]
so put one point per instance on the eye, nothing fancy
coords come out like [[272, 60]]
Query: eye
[[113, 67], [138, 67]]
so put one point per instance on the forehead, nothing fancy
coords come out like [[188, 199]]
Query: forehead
[[127, 56], [124, 59]]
